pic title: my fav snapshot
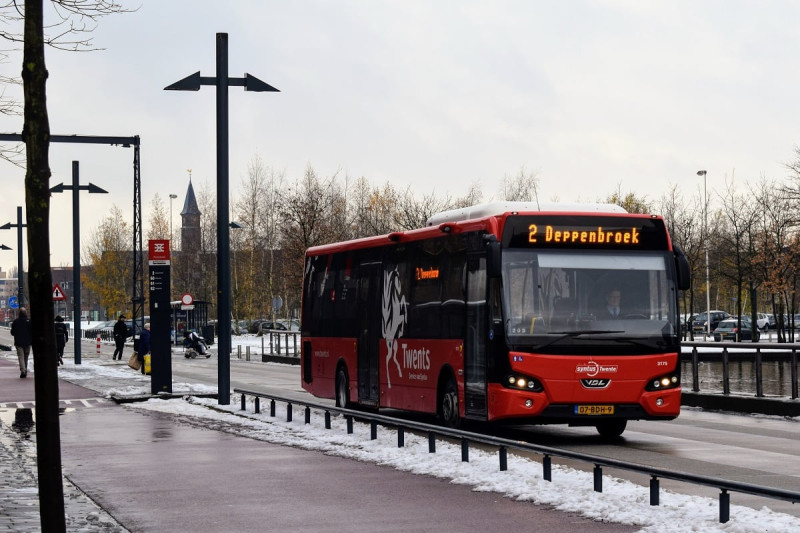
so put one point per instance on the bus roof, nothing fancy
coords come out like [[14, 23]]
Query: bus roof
[[498, 208]]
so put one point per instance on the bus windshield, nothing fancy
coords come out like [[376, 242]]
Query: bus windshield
[[560, 298]]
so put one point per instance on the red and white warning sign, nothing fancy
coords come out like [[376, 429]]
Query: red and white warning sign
[[58, 294]]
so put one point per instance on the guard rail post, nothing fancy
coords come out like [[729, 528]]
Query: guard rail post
[[759, 375], [726, 378], [724, 506]]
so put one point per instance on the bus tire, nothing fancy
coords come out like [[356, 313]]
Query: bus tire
[[611, 428], [448, 404], [342, 388]]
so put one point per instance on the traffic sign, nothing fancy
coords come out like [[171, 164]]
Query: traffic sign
[[58, 294], [13, 303], [187, 299]]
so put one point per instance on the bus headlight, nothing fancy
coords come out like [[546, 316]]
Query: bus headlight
[[518, 381], [669, 381]]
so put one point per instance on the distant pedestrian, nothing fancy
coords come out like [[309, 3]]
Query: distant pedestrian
[[62, 336], [120, 335], [23, 338], [144, 344]]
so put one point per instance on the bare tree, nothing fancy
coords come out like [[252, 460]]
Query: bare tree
[[629, 201], [685, 225], [520, 188], [159, 227]]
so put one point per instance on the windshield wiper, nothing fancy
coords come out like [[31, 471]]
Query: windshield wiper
[[569, 334]]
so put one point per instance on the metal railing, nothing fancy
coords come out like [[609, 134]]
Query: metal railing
[[275, 345], [503, 445], [747, 352]]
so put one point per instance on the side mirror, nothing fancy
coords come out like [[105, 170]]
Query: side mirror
[[493, 261], [682, 268]]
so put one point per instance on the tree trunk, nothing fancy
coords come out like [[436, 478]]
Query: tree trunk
[[36, 134]]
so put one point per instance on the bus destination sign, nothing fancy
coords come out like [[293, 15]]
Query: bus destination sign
[[570, 231]]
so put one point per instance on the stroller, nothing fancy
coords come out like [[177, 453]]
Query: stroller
[[195, 345]]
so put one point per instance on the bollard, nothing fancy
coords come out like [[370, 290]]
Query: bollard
[[239, 351], [598, 478], [247, 353], [327, 420], [272, 408], [401, 437], [308, 415], [98, 344], [464, 451], [547, 468], [243, 403], [258, 405], [654, 498]]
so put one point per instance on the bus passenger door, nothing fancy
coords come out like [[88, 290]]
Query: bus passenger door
[[475, 342], [369, 332]]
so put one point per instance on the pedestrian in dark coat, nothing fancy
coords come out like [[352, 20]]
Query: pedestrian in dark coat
[[144, 345], [62, 336], [120, 334], [23, 338]]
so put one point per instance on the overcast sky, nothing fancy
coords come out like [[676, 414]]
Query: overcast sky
[[432, 95]]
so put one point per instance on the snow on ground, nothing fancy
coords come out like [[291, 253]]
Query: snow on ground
[[570, 491]]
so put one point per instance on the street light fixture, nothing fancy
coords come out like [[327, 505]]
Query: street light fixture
[[222, 82], [705, 245], [76, 249]]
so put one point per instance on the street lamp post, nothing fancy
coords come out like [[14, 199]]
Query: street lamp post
[[171, 197], [705, 245], [19, 225], [76, 250], [222, 81]]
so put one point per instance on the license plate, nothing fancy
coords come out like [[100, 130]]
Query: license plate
[[594, 409]]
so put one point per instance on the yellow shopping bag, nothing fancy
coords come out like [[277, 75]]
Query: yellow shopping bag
[[147, 364]]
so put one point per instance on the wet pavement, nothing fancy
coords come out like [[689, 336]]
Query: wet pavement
[[131, 470]]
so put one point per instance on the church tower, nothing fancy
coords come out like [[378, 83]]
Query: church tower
[[190, 224]]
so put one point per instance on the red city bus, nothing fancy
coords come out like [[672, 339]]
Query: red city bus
[[501, 312]]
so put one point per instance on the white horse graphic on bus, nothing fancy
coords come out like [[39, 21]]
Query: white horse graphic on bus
[[393, 309]]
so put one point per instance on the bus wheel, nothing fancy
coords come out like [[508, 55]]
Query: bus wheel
[[342, 389], [611, 428], [448, 406]]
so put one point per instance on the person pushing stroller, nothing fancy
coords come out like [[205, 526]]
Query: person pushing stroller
[[195, 345]]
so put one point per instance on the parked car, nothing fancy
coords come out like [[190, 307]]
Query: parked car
[[762, 320], [102, 330], [728, 330], [263, 325], [699, 322]]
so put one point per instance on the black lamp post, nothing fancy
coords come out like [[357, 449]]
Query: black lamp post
[[222, 81], [76, 250], [19, 225]]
